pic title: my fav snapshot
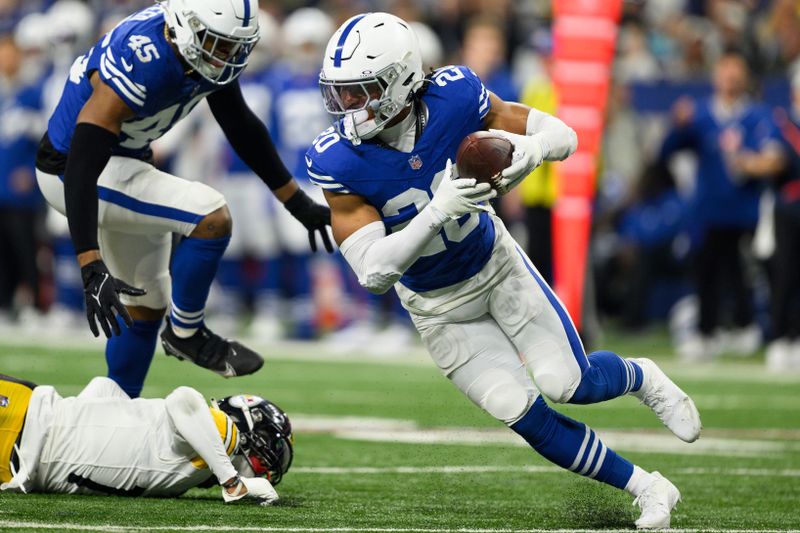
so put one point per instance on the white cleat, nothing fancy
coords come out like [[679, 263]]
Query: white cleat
[[657, 502], [670, 404]]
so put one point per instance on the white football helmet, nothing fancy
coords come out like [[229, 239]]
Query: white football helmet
[[305, 34], [265, 50], [429, 45], [32, 32], [33, 38], [372, 67], [215, 37], [70, 21]]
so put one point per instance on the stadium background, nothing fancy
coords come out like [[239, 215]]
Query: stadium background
[[366, 399]]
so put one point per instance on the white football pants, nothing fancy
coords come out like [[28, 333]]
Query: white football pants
[[490, 333], [139, 209]]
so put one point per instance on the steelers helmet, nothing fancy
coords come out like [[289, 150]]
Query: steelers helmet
[[265, 434]]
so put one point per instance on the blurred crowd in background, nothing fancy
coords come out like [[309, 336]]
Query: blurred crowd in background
[[697, 216]]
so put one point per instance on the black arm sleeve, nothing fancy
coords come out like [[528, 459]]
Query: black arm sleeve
[[89, 153], [248, 135]]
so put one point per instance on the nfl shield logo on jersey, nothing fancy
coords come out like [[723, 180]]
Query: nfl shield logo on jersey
[[3, 401], [415, 162]]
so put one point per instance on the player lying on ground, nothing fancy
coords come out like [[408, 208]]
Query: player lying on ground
[[95, 166], [486, 316], [104, 442]]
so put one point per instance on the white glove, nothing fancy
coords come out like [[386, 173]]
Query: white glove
[[258, 488], [529, 152], [456, 197]]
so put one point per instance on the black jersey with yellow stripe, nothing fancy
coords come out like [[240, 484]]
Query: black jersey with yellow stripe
[[15, 395]]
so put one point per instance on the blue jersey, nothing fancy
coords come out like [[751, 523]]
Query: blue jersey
[[138, 63], [298, 114], [259, 98], [20, 130], [721, 198], [399, 184]]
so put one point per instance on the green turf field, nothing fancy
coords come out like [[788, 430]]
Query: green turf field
[[390, 445]]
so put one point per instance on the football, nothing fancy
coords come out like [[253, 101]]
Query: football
[[482, 155]]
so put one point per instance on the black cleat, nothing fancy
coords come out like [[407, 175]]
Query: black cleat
[[207, 349]]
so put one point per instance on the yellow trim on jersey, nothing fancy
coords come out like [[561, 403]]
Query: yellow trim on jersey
[[14, 400], [227, 430]]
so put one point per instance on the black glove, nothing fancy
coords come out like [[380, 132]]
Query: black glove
[[311, 215], [100, 291]]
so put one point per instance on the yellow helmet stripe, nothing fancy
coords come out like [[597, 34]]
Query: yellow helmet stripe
[[233, 437], [227, 432]]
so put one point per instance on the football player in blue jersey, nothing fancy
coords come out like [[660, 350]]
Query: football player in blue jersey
[[21, 205], [403, 218], [94, 166]]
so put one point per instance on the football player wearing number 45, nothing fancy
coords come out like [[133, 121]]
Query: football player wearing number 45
[[103, 442], [95, 165], [490, 322]]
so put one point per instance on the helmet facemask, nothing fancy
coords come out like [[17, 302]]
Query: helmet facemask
[[363, 107], [218, 58], [265, 436], [270, 459]]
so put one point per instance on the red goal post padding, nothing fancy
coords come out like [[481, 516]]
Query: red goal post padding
[[584, 39], [584, 43], [609, 9], [582, 83], [571, 224], [587, 121]]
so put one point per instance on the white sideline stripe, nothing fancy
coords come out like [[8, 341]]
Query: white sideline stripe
[[629, 441], [202, 527], [20, 337], [528, 469]]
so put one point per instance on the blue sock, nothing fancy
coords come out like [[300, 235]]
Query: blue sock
[[607, 376], [194, 265], [129, 355], [572, 445]]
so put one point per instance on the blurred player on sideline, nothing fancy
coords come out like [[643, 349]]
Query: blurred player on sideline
[[297, 116], [103, 442], [284, 94], [69, 28], [21, 205], [402, 218], [94, 165], [245, 274]]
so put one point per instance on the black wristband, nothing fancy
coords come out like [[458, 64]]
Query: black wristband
[[248, 136], [298, 201], [89, 153]]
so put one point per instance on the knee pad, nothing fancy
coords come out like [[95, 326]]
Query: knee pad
[[498, 393], [557, 383], [158, 292]]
